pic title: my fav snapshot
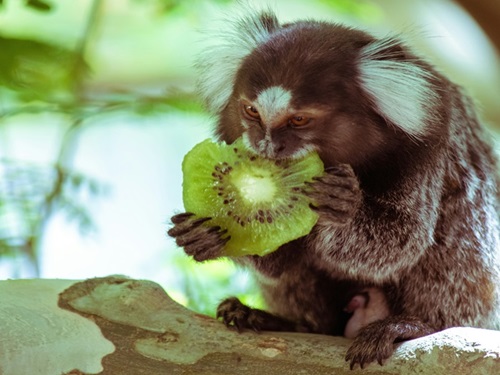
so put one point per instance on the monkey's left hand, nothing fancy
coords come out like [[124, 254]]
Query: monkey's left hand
[[375, 342], [200, 241], [336, 195]]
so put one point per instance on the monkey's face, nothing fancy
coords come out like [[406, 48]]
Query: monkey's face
[[316, 86], [274, 125], [297, 93], [275, 128]]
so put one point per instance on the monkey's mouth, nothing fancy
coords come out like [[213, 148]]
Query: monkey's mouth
[[267, 149], [263, 147]]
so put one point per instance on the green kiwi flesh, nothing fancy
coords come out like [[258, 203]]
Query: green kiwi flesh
[[261, 202]]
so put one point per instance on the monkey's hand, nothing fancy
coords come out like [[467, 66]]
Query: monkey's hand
[[235, 314], [202, 242], [336, 195], [375, 342]]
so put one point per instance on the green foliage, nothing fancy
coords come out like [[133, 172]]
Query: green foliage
[[39, 5], [170, 6], [34, 70], [203, 285], [30, 193], [142, 104], [364, 10], [39, 77]]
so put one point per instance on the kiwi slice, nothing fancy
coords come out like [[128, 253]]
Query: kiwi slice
[[259, 201]]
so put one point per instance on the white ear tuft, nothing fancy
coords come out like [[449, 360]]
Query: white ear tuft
[[400, 89], [219, 63]]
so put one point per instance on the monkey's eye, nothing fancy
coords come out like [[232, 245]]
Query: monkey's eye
[[298, 121], [251, 112]]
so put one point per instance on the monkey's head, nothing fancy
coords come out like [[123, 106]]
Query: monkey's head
[[289, 89]]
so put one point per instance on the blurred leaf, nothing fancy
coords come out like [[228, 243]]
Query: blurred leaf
[[7, 249], [144, 104], [78, 214], [39, 5], [39, 71], [204, 285], [185, 102], [170, 6], [29, 193], [365, 10]]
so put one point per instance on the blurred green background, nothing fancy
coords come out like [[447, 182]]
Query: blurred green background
[[98, 108]]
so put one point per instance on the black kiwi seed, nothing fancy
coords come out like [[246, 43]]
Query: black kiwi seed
[[269, 219], [261, 219]]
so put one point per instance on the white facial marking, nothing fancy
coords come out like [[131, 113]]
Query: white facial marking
[[303, 151], [273, 103], [274, 106]]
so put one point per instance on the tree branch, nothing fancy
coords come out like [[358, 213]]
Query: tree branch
[[116, 325]]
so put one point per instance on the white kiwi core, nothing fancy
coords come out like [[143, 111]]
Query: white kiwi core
[[255, 185]]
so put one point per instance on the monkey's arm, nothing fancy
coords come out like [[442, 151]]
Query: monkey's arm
[[378, 236], [375, 342]]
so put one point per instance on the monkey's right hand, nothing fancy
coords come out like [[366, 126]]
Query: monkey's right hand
[[202, 242], [336, 195]]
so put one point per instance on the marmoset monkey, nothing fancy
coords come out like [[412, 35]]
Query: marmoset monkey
[[408, 202]]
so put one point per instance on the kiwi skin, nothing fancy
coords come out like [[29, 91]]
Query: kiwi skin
[[259, 202]]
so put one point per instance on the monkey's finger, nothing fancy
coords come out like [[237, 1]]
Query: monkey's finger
[[333, 180], [201, 251], [341, 170], [233, 313], [180, 218], [186, 226], [203, 243], [357, 359]]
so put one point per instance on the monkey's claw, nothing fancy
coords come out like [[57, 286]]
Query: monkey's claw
[[375, 342], [202, 242], [236, 314], [336, 195], [366, 353]]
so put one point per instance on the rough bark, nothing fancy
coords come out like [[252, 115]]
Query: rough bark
[[116, 325]]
